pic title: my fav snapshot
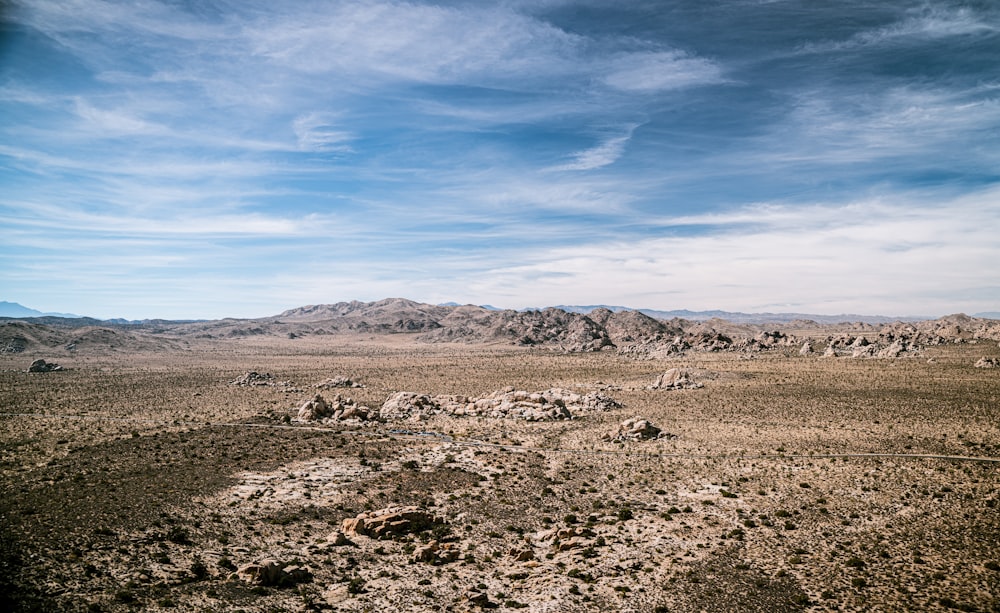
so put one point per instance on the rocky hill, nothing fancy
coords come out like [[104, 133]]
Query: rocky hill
[[628, 332]]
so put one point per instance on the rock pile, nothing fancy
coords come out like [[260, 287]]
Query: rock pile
[[436, 553], [337, 409], [987, 363], [390, 522], [636, 429], [338, 381], [675, 379], [271, 573], [763, 341], [252, 378], [43, 366]]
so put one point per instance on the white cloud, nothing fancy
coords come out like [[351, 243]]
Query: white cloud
[[658, 71], [318, 132], [896, 258], [928, 22], [602, 155]]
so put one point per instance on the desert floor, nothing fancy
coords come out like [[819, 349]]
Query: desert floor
[[143, 480]]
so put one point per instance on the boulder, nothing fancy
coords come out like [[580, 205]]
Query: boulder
[[271, 573], [390, 523], [43, 366], [987, 363], [338, 381], [675, 379], [436, 553], [338, 539], [806, 349], [637, 429], [479, 599], [314, 409]]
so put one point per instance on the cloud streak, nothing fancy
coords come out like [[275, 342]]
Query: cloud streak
[[703, 156]]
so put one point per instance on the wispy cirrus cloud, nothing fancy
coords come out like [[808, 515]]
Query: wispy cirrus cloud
[[462, 148], [660, 71], [929, 22], [603, 154]]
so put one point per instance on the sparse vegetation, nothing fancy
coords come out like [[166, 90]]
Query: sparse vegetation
[[163, 518]]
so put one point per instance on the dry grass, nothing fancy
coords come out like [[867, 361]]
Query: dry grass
[[145, 500]]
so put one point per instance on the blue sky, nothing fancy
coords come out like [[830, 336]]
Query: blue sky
[[236, 158]]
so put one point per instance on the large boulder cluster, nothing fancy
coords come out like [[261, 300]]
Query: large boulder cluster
[[886, 344], [508, 403], [337, 408]]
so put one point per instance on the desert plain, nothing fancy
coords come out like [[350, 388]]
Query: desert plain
[[170, 466]]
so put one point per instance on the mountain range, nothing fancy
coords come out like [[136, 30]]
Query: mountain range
[[18, 311]]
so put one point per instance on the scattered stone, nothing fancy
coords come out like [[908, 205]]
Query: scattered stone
[[390, 522], [479, 599], [43, 366], [566, 539], [675, 379], [271, 573], [987, 363]]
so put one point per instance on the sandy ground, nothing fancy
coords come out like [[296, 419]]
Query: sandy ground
[[144, 480]]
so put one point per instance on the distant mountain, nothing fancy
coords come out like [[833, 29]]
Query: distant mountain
[[13, 309], [746, 318], [488, 307], [988, 315]]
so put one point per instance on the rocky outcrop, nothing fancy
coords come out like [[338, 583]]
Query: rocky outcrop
[[408, 406], [390, 523], [675, 379], [43, 366], [765, 341]]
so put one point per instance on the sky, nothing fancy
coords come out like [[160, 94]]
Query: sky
[[236, 158]]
